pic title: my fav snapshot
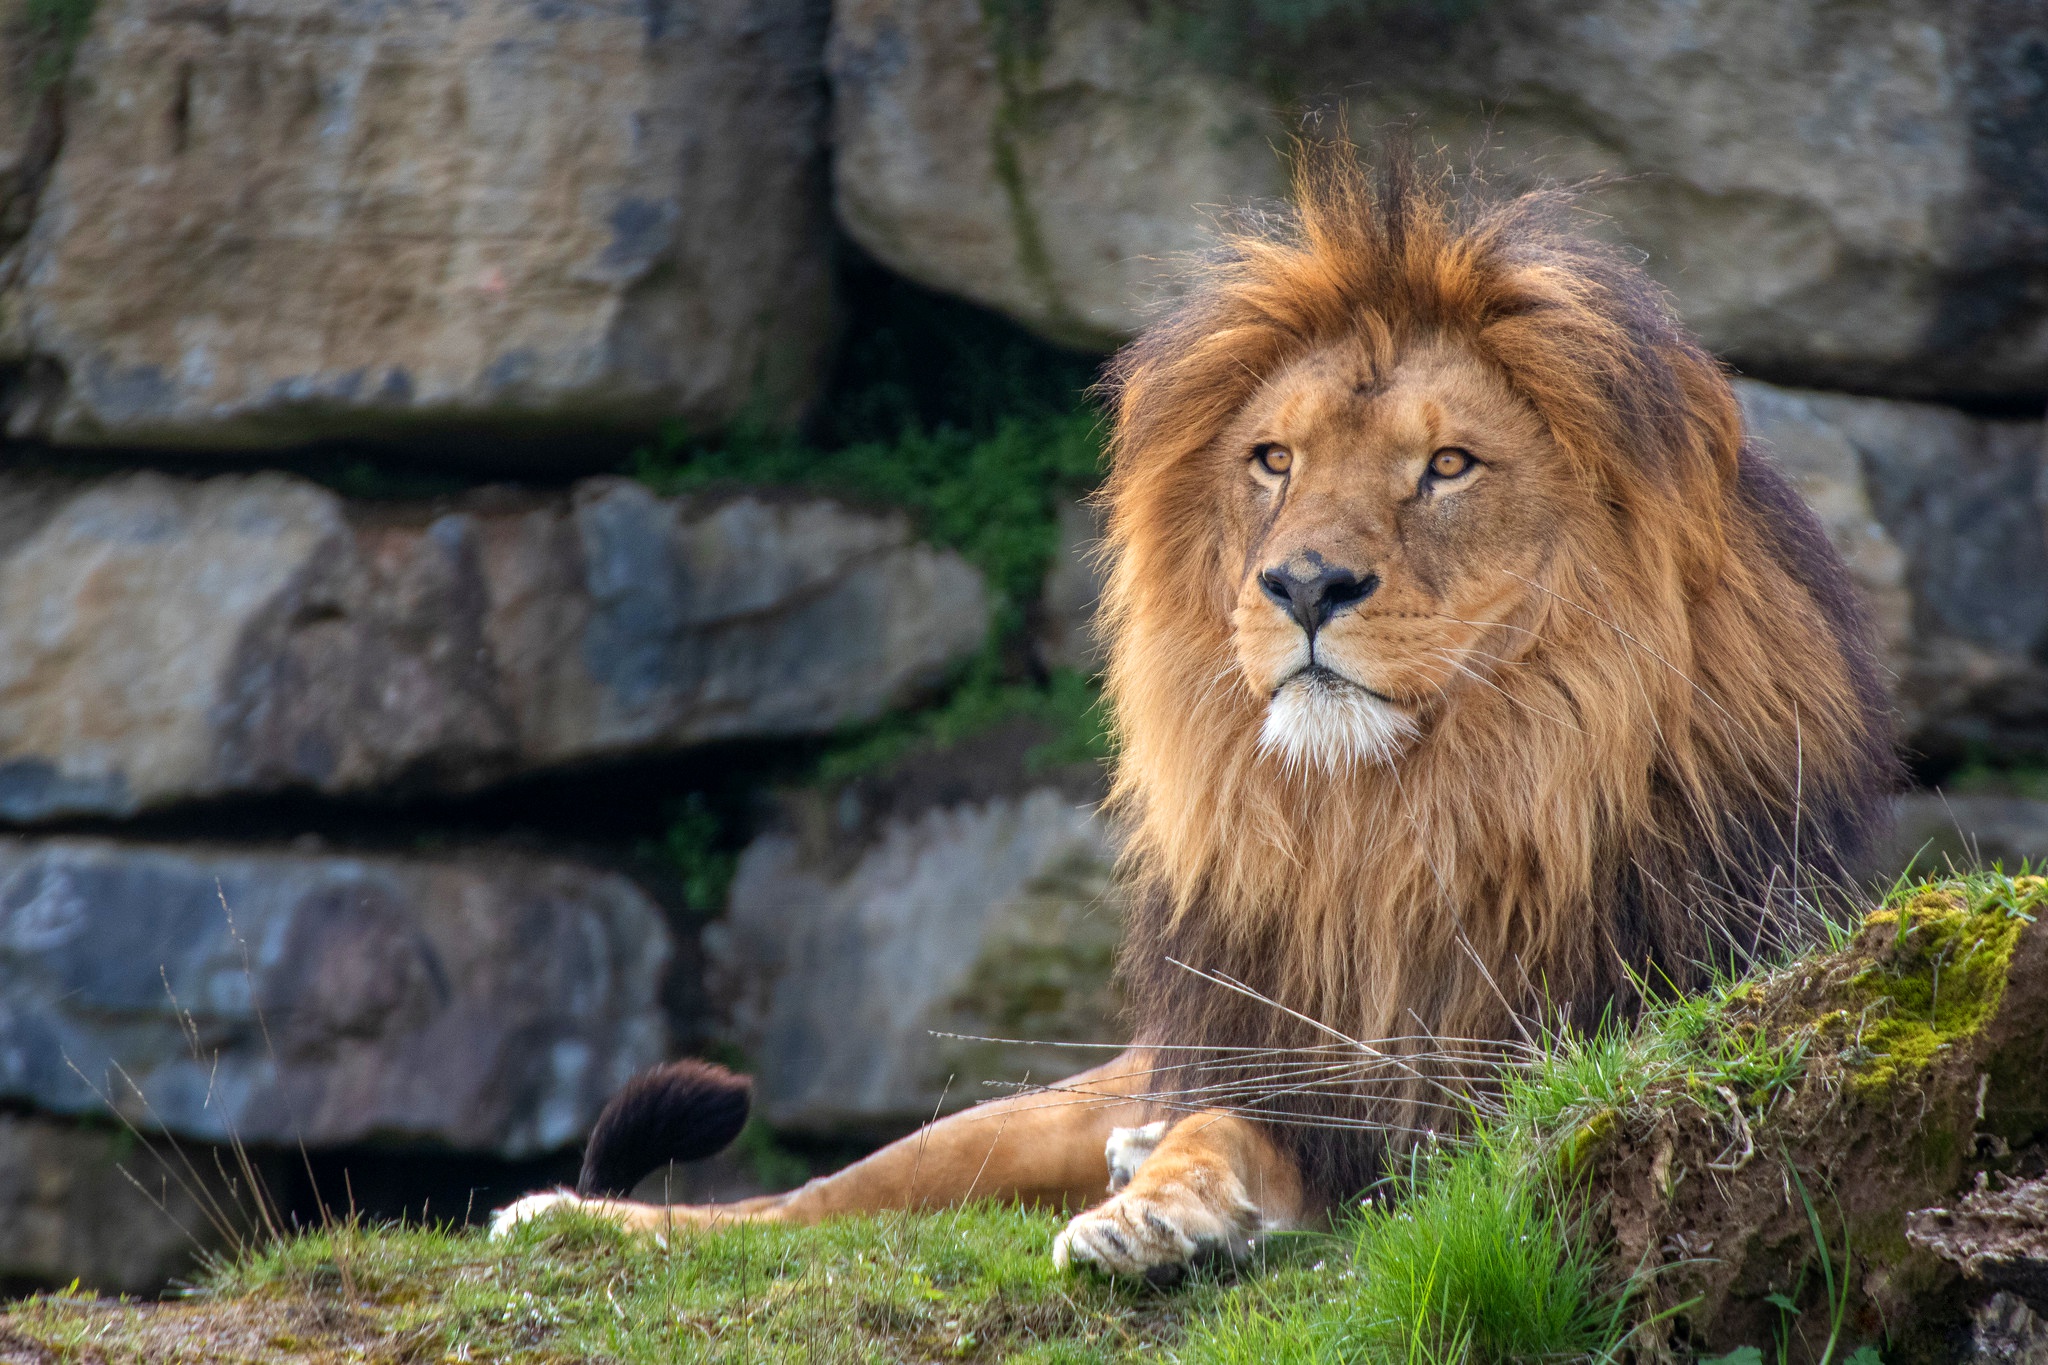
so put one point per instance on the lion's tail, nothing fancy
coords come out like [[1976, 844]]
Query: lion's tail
[[679, 1112]]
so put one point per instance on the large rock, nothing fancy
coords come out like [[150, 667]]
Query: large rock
[[274, 220], [1066, 636], [1943, 519], [490, 1004], [163, 640], [1847, 194], [1913, 1061], [89, 1203], [843, 956], [1937, 831], [1052, 184]]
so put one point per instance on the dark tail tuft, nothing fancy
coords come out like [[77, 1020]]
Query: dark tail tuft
[[679, 1112]]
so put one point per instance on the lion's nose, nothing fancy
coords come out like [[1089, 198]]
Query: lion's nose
[[1312, 591]]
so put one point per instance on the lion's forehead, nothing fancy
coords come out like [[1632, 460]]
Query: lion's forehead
[[1350, 412]]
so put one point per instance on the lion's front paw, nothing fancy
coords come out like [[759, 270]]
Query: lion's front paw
[[1127, 1149], [1157, 1229], [530, 1207]]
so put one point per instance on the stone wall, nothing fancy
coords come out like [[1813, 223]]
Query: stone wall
[[1939, 516], [169, 640], [268, 222], [1844, 194], [246, 243]]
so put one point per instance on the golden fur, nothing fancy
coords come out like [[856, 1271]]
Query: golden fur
[[1660, 718]]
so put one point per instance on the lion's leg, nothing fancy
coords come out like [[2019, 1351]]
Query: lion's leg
[[1045, 1148], [1213, 1181]]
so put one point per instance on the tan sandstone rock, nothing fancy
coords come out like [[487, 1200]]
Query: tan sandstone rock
[[164, 640], [274, 221], [846, 952], [1836, 193]]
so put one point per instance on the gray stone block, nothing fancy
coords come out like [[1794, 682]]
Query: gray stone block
[[166, 640], [485, 1003]]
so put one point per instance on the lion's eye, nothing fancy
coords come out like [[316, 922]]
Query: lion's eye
[[1450, 462], [1271, 458]]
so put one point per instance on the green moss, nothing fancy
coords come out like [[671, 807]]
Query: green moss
[[995, 498], [1939, 952], [54, 29]]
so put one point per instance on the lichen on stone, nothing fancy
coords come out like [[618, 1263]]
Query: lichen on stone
[[1934, 970]]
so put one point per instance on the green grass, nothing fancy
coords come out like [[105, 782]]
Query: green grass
[[977, 1284], [1477, 1252], [1471, 1268], [1467, 1257]]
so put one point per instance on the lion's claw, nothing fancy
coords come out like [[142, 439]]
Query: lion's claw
[[1156, 1232]]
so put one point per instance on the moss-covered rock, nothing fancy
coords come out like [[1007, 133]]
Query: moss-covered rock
[[1909, 1063], [1938, 962]]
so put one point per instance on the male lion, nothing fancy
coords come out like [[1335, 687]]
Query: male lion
[[1470, 671]]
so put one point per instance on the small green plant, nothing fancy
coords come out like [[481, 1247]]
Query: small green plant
[[994, 498], [54, 29], [694, 845], [1069, 704]]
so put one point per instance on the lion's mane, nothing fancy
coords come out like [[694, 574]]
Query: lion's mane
[[1696, 740]]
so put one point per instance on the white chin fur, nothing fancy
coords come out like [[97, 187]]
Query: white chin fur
[[1326, 723]]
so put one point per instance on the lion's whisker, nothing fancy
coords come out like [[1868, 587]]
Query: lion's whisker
[[1484, 681]]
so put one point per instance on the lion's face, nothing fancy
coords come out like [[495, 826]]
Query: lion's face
[[1390, 525]]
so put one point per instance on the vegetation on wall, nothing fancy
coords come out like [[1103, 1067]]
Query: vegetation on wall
[[980, 432], [976, 428], [53, 29], [993, 497]]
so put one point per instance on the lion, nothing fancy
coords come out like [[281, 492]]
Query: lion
[[1472, 675]]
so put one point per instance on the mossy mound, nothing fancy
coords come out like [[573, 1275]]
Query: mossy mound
[[1938, 957], [1889, 1075]]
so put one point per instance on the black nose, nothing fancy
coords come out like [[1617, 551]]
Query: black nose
[[1315, 599]]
